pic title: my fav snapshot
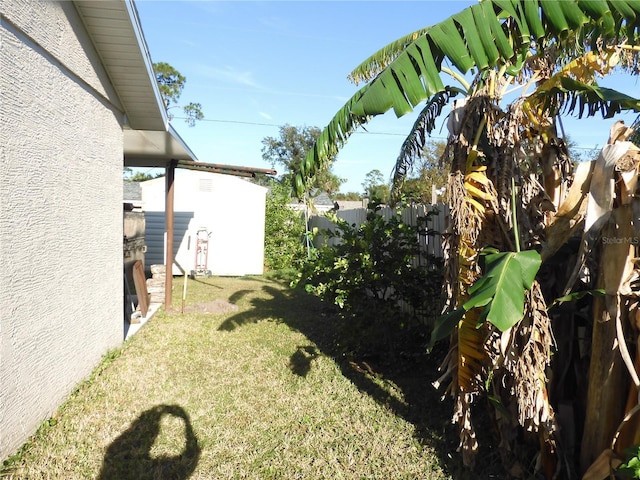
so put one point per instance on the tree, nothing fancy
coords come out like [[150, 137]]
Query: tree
[[284, 231], [171, 83], [432, 172], [131, 176], [290, 149], [512, 183], [375, 188], [578, 154], [372, 266], [349, 196]]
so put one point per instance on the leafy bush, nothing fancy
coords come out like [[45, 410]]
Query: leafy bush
[[284, 232], [369, 274], [631, 468]]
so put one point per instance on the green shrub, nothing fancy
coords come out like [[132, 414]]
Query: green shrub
[[285, 229], [368, 275], [631, 468]]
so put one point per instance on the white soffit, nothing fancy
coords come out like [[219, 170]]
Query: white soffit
[[147, 148], [116, 34], [115, 30]]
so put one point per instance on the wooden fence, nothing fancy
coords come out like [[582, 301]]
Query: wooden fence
[[429, 244]]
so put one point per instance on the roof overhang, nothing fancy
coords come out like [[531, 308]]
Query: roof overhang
[[116, 33], [149, 148]]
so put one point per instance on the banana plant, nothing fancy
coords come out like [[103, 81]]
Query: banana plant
[[499, 293], [555, 48], [488, 35]]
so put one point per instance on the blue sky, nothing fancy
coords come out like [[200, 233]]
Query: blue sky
[[257, 65]]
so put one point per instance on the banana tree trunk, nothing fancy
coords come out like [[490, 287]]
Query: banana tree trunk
[[608, 379], [551, 174], [630, 432], [607, 387]]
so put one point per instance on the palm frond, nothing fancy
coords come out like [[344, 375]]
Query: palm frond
[[573, 89], [329, 142], [413, 146], [377, 62], [489, 34], [573, 96]]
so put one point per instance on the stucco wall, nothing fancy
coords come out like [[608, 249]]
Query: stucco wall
[[60, 213]]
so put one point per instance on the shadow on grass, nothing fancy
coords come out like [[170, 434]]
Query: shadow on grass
[[239, 295], [423, 406], [270, 308], [129, 456], [300, 361], [203, 282]]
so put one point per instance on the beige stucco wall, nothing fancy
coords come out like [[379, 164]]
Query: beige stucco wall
[[60, 213]]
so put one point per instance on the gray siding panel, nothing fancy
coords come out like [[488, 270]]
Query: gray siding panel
[[154, 237]]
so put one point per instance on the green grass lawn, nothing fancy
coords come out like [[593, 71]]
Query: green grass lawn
[[257, 393]]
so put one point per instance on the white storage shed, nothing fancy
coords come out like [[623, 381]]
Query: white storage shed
[[231, 209]]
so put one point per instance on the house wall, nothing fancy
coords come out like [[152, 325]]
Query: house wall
[[231, 209], [61, 151]]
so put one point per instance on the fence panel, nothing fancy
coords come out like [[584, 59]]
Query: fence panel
[[429, 244]]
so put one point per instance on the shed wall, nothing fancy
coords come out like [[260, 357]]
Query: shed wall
[[230, 208], [61, 151]]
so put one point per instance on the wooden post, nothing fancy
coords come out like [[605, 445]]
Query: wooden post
[[141, 287], [168, 281]]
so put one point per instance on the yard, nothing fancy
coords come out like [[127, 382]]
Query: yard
[[253, 392]]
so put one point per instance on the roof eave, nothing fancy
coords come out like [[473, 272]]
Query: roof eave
[[146, 148], [149, 139]]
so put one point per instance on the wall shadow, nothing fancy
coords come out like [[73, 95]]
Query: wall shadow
[[421, 405], [128, 456], [155, 226]]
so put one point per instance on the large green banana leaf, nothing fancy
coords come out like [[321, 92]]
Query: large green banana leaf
[[486, 35], [500, 292]]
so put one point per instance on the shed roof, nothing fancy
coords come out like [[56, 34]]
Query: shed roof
[[114, 28]]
